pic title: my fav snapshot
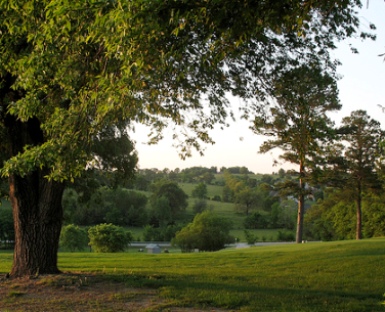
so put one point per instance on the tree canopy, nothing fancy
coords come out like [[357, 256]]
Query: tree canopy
[[77, 67]]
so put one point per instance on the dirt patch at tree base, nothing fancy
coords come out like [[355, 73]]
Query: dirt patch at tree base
[[79, 292]]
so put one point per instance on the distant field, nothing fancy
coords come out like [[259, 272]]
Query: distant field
[[212, 190], [224, 209], [335, 276]]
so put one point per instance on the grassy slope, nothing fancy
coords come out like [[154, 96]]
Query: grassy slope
[[336, 276], [227, 210]]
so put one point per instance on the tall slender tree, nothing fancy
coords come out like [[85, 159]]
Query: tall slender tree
[[362, 136], [298, 123]]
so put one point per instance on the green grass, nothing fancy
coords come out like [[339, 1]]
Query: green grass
[[226, 210], [335, 276], [212, 190]]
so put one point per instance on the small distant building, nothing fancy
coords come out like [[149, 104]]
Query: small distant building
[[153, 248]]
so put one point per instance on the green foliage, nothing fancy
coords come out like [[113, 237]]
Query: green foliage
[[238, 190], [285, 236], [246, 199], [126, 208], [227, 194], [200, 206], [115, 155], [266, 196], [207, 232], [198, 174], [298, 123], [168, 200], [317, 224], [200, 191], [284, 214], [257, 220], [118, 206], [355, 161], [73, 238], [251, 238], [160, 234], [71, 206], [334, 217], [108, 238], [374, 216], [161, 213]]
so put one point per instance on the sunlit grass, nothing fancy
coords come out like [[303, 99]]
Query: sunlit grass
[[336, 276]]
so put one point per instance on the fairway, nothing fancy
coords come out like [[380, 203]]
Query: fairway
[[336, 276]]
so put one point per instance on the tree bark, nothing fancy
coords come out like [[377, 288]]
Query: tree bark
[[36, 205], [359, 214], [37, 213], [301, 205], [300, 213]]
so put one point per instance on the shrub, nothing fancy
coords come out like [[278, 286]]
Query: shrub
[[159, 234], [285, 236], [256, 221], [73, 238], [251, 239], [109, 238], [200, 205], [152, 234], [207, 232]]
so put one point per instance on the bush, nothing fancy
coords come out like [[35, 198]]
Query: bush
[[256, 221], [160, 234], [285, 236], [109, 238], [251, 239], [207, 232], [73, 238], [199, 205]]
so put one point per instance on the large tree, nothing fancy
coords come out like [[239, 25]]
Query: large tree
[[355, 162], [168, 201], [297, 123], [68, 69]]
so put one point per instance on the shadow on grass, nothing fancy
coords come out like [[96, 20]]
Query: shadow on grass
[[236, 294]]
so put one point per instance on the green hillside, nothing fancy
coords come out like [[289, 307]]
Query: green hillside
[[228, 211]]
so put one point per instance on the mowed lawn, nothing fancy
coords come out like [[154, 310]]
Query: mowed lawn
[[335, 276]]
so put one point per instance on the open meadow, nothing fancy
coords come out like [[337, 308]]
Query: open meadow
[[335, 276]]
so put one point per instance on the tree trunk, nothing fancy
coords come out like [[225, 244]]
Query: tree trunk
[[36, 205], [301, 206], [359, 215], [300, 213], [37, 213]]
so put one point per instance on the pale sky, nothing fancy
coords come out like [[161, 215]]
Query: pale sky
[[362, 87]]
